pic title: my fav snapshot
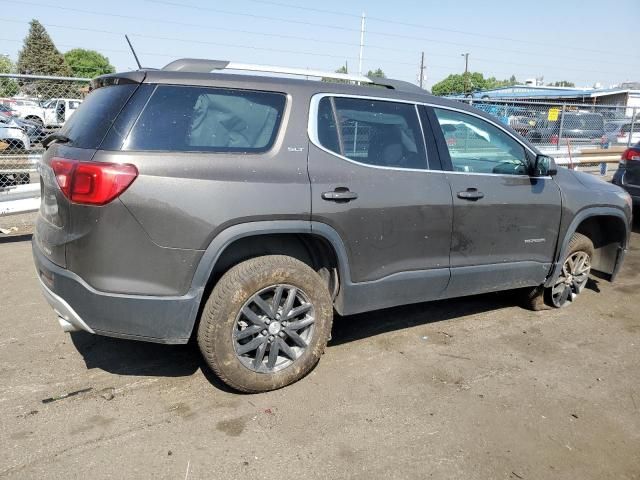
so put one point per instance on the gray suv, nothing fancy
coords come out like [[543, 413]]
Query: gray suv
[[246, 209]]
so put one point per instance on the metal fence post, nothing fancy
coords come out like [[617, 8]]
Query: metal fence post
[[564, 106], [633, 123]]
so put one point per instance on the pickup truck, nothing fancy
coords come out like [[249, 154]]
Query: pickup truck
[[51, 113]]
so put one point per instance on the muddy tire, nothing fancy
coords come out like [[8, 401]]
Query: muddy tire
[[266, 323], [576, 267]]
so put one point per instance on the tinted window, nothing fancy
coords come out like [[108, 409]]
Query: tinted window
[[90, 122], [477, 146], [374, 132], [207, 119], [327, 131]]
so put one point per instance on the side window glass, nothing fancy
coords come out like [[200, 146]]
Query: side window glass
[[477, 146], [327, 131], [374, 132], [201, 119]]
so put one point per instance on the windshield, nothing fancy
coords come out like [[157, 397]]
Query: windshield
[[49, 103]]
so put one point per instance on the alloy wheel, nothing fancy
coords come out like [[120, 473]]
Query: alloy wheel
[[572, 280], [273, 328]]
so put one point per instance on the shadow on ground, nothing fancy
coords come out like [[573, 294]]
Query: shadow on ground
[[133, 358]]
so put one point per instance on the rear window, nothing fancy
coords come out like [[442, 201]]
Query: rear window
[[95, 115], [583, 121], [197, 119]]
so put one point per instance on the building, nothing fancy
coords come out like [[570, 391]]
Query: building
[[625, 96]]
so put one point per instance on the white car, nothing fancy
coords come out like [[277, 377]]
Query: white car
[[13, 136], [51, 113], [617, 132]]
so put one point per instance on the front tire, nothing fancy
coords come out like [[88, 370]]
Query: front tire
[[266, 323], [572, 280]]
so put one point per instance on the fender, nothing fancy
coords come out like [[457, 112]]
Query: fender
[[573, 226], [225, 238]]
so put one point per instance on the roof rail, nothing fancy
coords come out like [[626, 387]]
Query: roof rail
[[206, 66], [199, 65]]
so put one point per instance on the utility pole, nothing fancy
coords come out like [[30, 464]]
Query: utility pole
[[466, 70], [422, 67], [361, 44]]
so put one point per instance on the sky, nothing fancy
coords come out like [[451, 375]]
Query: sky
[[585, 42]]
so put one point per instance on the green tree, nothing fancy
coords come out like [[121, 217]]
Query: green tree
[[562, 83], [376, 73], [493, 82], [342, 69], [470, 82], [459, 83], [8, 86], [88, 63], [39, 55]]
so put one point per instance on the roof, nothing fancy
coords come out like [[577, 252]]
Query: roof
[[531, 91]]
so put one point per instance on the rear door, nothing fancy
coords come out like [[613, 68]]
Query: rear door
[[505, 223], [373, 182]]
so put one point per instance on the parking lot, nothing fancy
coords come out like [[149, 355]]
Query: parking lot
[[466, 388]]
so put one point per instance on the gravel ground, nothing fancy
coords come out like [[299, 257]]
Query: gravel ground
[[472, 388]]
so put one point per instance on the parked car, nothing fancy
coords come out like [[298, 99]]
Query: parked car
[[13, 140], [35, 132], [628, 173], [617, 132], [7, 110], [51, 113], [13, 135], [577, 128], [244, 210]]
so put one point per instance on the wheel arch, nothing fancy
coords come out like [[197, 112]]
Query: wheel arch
[[608, 229], [316, 244]]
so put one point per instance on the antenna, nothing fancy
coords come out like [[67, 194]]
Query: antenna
[[134, 52]]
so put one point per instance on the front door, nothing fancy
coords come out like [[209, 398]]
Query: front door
[[506, 223], [370, 182]]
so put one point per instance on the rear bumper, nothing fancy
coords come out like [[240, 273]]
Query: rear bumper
[[161, 319]]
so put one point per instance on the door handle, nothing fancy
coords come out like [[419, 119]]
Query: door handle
[[470, 194], [340, 194]]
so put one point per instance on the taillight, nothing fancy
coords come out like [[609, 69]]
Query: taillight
[[554, 139], [630, 155], [92, 183]]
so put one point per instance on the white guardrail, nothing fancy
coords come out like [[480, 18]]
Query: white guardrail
[[26, 198], [20, 199]]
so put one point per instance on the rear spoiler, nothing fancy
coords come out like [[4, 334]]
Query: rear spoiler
[[137, 76]]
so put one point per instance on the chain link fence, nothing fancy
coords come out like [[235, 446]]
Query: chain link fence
[[557, 127], [31, 108]]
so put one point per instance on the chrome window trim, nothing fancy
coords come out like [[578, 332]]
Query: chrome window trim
[[312, 132]]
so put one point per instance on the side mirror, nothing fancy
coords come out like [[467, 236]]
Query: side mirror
[[544, 166]]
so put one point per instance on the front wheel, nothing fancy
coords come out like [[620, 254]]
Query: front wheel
[[266, 323], [571, 281]]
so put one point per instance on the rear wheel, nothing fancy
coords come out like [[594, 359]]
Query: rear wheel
[[571, 281], [266, 323]]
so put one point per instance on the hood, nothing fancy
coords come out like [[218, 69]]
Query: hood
[[593, 182]]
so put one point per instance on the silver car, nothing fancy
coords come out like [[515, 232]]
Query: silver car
[[617, 132]]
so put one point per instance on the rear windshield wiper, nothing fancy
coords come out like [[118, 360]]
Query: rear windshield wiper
[[57, 137]]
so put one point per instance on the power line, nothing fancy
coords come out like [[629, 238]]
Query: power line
[[300, 52], [208, 27], [414, 25], [394, 35], [386, 34]]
